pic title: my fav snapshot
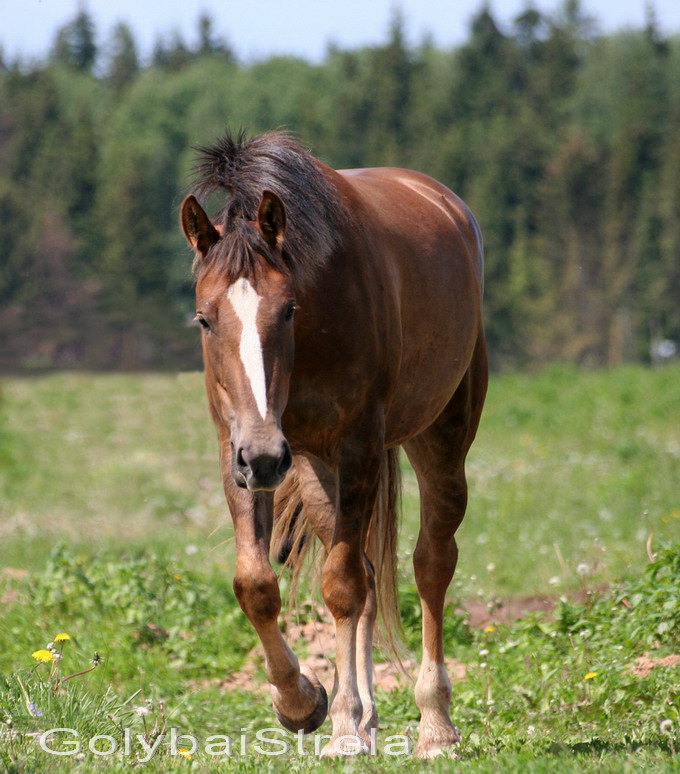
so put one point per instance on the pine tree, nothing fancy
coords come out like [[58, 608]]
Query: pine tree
[[75, 43], [123, 63]]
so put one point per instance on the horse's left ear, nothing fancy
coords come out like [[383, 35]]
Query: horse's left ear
[[271, 219], [199, 231]]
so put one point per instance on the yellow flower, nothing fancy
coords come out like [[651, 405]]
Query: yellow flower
[[43, 655], [490, 628], [62, 637], [590, 675], [185, 753]]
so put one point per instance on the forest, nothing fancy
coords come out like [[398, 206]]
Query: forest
[[564, 141]]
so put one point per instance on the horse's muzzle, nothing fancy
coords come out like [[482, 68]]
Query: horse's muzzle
[[258, 471]]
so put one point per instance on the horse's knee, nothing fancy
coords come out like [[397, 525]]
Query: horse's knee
[[259, 596], [344, 583]]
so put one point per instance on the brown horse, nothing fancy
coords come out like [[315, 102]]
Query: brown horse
[[342, 319]]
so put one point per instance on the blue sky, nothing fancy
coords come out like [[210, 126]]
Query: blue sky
[[258, 28]]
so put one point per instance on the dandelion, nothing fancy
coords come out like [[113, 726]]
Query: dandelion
[[43, 655], [185, 753], [490, 628], [582, 570], [590, 675], [665, 726], [531, 729], [142, 711], [62, 637], [483, 653]]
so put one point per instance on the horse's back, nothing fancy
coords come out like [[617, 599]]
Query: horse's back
[[423, 236], [409, 202]]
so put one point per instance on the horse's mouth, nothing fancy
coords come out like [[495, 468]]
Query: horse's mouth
[[253, 484]]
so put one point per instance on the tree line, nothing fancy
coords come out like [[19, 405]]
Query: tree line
[[565, 143]]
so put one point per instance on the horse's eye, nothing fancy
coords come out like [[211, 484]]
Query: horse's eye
[[202, 321], [290, 310]]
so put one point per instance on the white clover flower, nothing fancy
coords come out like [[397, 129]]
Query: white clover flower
[[484, 653], [582, 569]]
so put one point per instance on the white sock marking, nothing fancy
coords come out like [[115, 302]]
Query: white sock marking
[[245, 301]]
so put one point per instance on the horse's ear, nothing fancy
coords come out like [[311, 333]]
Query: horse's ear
[[197, 227], [271, 219]]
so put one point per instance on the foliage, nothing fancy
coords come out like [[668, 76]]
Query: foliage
[[645, 612], [145, 604], [564, 142]]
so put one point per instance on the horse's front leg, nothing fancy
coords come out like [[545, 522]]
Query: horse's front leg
[[345, 589], [299, 699]]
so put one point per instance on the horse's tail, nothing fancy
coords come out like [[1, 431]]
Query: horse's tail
[[381, 549], [292, 533]]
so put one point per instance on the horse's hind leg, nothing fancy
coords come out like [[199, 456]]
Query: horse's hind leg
[[438, 458]]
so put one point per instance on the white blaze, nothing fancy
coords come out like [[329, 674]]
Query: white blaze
[[245, 301]]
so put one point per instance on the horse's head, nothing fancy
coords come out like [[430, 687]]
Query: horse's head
[[246, 314]]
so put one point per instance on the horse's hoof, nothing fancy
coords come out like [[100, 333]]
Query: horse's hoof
[[343, 746], [438, 744], [309, 724]]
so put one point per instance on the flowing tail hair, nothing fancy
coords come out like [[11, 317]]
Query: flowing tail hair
[[292, 537]]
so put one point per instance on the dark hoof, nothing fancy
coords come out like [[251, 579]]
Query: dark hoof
[[315, 720]]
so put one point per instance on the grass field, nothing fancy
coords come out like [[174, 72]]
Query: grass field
[[114, 530]]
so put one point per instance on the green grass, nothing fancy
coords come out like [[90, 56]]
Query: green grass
[[114, 530]]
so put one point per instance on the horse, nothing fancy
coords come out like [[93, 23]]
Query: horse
[[341, 320]]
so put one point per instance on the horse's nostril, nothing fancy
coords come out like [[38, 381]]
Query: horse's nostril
[[286, 460], [240, 460]]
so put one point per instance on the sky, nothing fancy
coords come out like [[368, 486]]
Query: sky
[[256, 29]]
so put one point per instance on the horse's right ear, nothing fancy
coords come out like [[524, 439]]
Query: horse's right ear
[[199, 231]]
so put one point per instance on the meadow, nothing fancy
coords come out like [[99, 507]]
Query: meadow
[[114, 531]]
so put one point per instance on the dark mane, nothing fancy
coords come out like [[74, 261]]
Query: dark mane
[[244, 168]]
